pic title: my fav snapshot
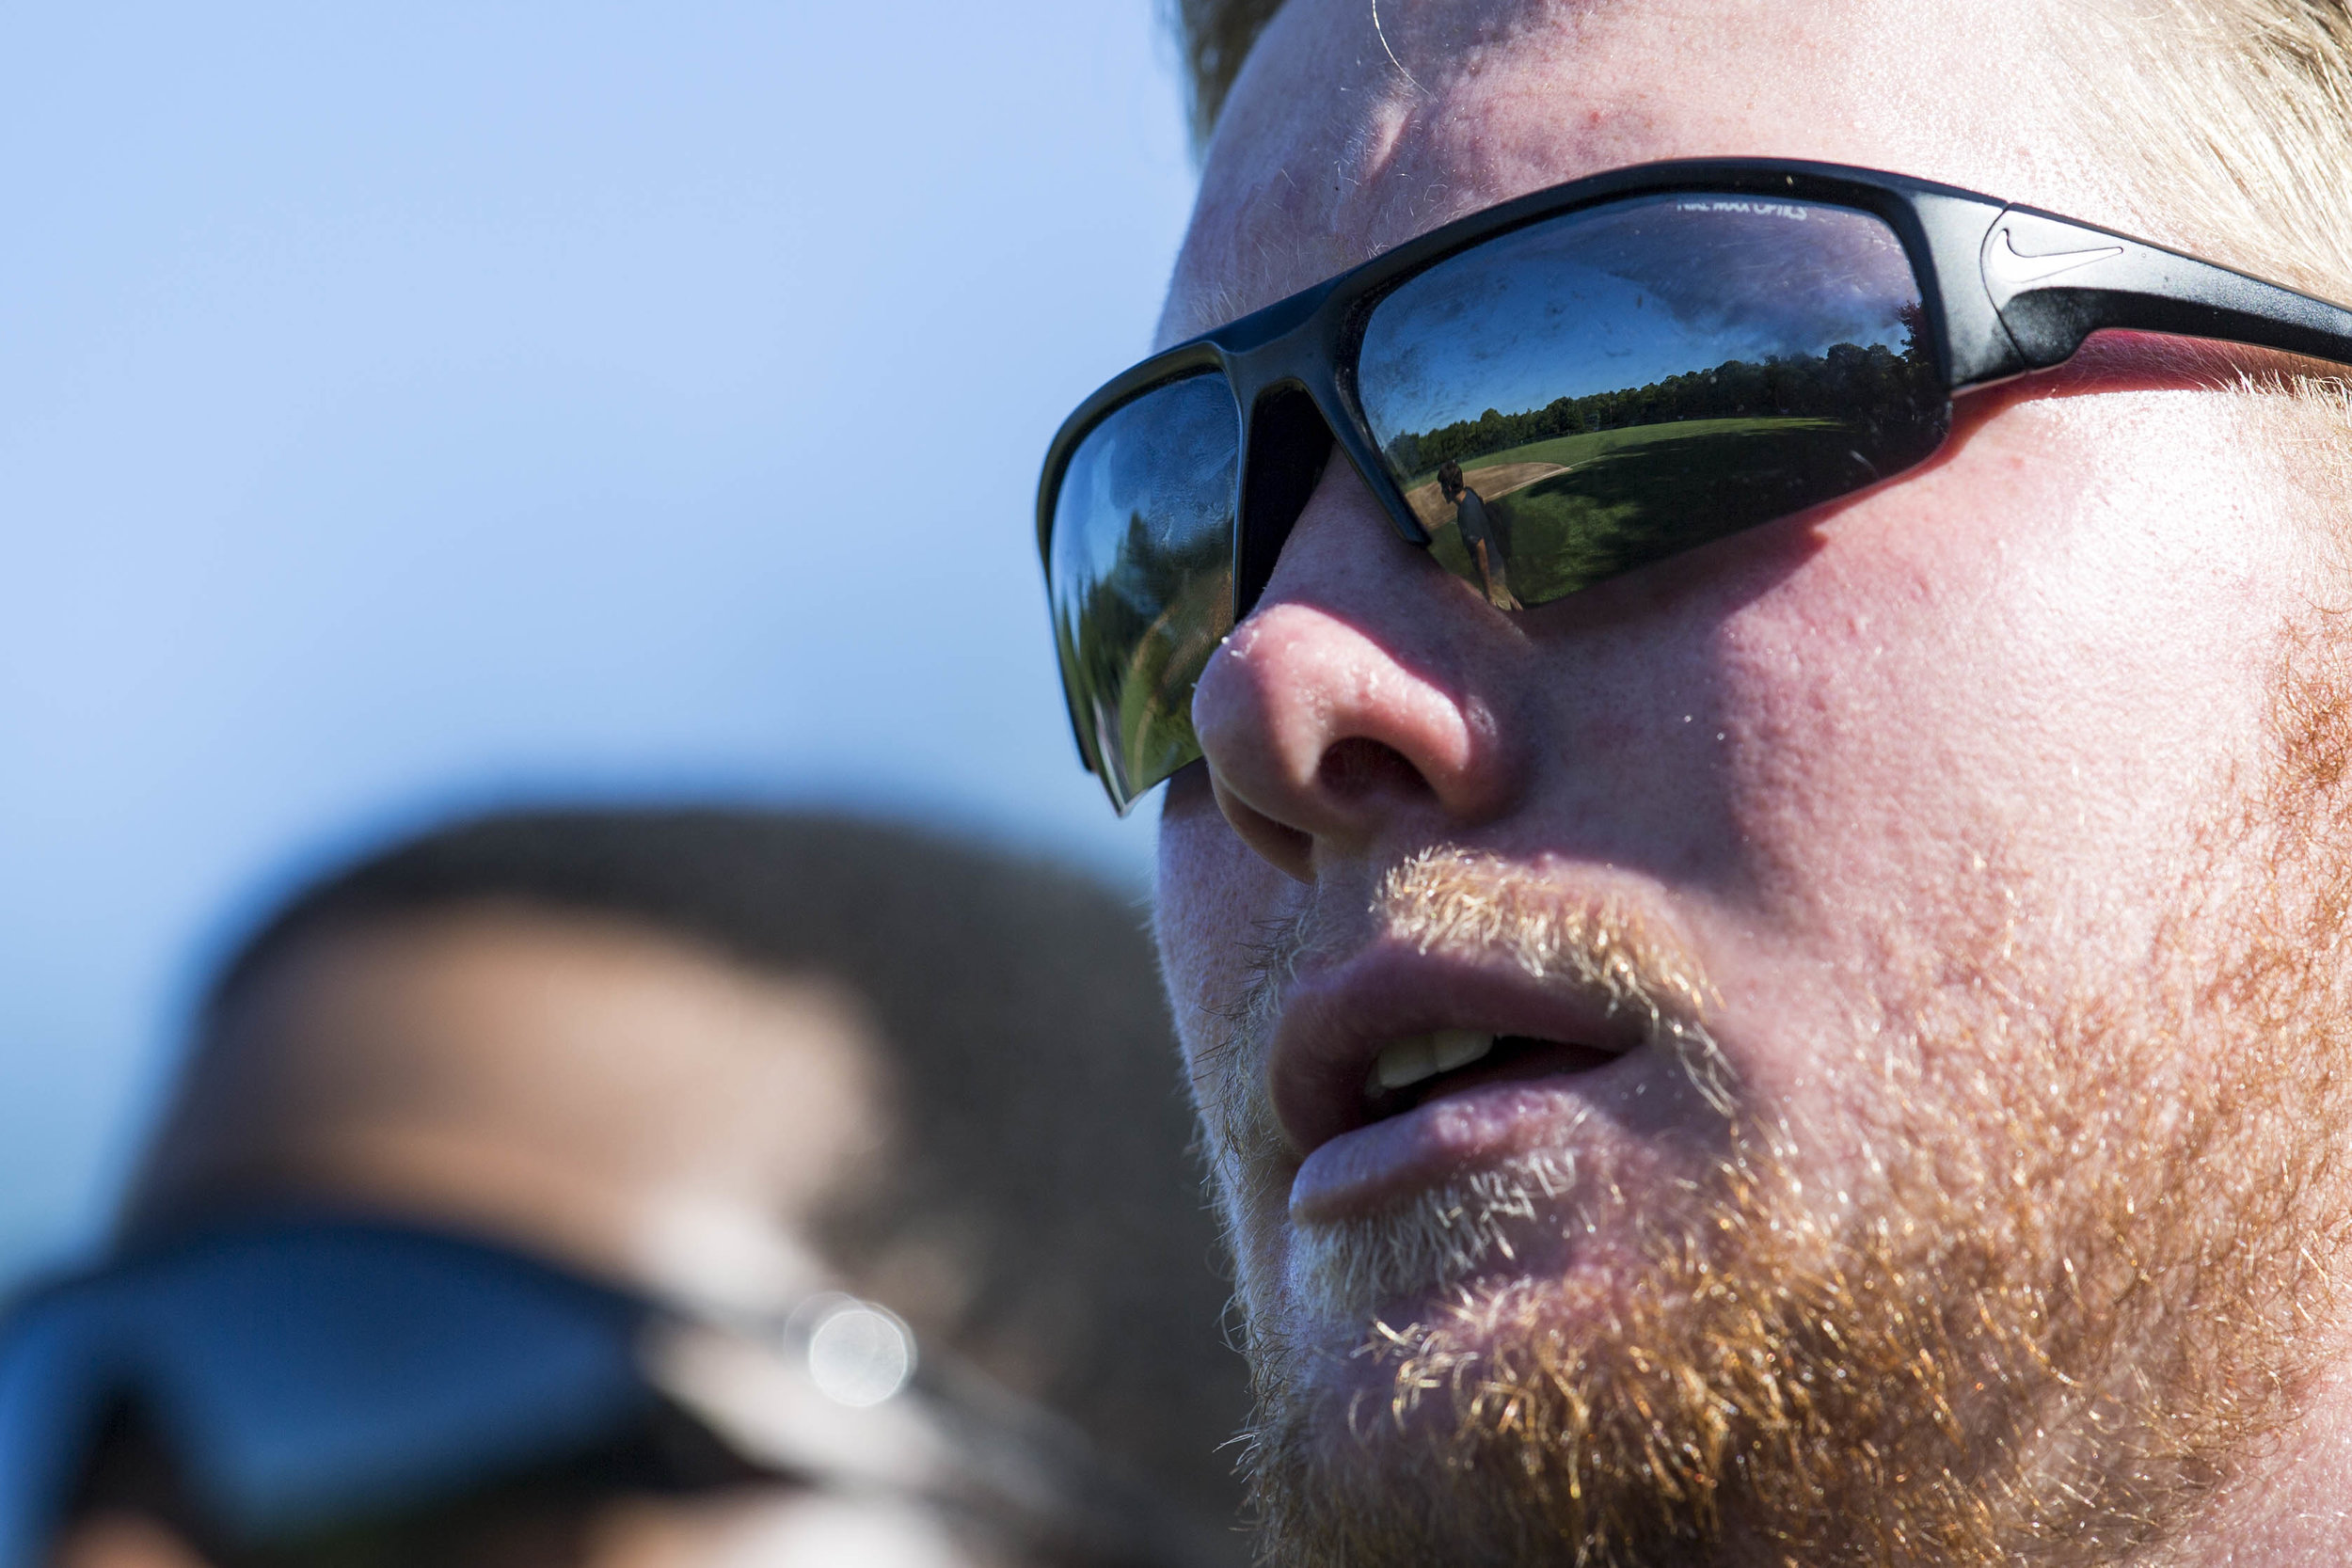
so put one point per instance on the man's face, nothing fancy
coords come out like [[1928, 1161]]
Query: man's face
[[1892, 914]]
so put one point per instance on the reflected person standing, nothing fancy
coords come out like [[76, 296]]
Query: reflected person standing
[[1479, 537]]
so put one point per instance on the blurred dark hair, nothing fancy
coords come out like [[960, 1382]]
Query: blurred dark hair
[[1045, 1127], [1216, 37]]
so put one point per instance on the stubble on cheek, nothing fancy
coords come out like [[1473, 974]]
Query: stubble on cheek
[[2050, 1329], [2089, 1270], [1226, 1036]]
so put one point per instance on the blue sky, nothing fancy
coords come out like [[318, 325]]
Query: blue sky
[[404, 409]]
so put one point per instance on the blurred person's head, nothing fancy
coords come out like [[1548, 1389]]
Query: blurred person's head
[[730, 1058], [1828, 1046]]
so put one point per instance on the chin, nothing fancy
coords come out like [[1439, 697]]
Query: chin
[[1490, 1233], [1369, 1375], [1400, 1343], [1582, 1214], [1478, 1422]]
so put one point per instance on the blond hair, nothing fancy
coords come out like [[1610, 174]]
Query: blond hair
[[1214, 36], [2231, 120], [2234, 115]]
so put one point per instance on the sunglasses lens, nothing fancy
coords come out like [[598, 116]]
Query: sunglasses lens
[[1605, 389], [1141, 576]]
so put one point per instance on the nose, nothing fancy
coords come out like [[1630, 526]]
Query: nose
[[1361, 699]]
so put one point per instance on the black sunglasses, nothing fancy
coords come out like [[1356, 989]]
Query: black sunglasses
[[331, 1390], [1572, 386]]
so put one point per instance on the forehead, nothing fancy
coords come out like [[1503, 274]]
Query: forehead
[[463, 989], [1354, 127]]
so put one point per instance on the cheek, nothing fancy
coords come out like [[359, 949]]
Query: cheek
[[1214, 902], [2014, 661]]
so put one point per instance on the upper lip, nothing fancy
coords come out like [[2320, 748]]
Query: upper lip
[[1335, 1021]]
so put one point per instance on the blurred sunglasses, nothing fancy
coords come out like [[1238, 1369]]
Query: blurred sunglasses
[[1570, 386], [329, 1391]]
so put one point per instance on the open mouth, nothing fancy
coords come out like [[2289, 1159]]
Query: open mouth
[[1364, 1046], [1412, 1072], [1414, 1110]]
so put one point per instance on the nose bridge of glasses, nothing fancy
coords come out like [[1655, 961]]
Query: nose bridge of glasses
[[1288, 442], [1285, 366]]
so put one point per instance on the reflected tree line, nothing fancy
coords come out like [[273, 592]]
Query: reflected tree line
[[1846, 382], [1138, 638]]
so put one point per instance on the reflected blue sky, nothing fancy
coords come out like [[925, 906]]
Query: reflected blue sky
[[1168, 458], [1624, 295], [417, 408]]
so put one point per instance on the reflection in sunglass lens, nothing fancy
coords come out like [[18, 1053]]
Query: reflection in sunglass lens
[[1141, 576], [1604, 389]]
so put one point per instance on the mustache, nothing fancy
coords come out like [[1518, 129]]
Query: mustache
[[1449, 900]]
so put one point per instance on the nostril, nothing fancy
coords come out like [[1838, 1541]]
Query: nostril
[[1357, 768]]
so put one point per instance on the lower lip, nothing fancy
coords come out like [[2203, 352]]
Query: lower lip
[[1375, 1167]]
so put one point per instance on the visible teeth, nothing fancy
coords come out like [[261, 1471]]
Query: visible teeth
[[1460, 1047], [1408, 1061]]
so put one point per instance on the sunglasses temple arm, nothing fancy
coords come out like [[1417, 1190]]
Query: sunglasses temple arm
[[1978, 349], [2054, 282]]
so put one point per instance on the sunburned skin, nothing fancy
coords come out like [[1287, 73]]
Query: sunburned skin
[[1862, 864]]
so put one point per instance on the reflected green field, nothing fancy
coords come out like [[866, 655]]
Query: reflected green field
[[1575, 510], [1154, 734]]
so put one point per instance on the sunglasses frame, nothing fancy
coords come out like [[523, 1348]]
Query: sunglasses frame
[[2008, 289]]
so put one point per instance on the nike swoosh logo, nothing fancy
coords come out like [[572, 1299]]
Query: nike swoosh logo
[[2008, 270]]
